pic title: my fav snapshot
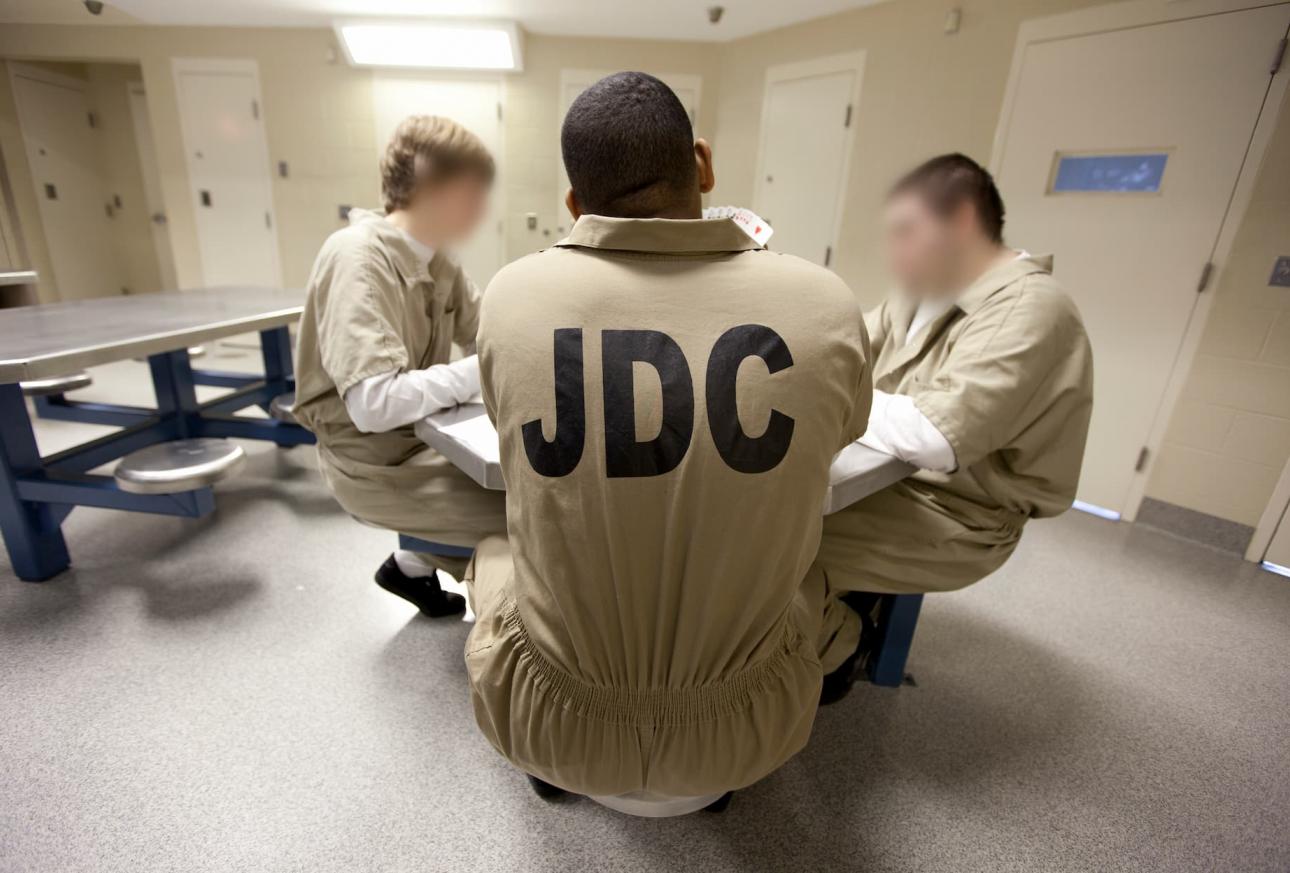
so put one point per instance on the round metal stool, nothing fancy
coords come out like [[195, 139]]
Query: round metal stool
[[283, 407], [179, 465], [56, 385]]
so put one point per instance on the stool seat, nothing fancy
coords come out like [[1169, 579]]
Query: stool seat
[[179, 465], [56, 384], [283, 407]]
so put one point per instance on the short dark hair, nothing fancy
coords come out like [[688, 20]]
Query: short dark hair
[[948, 181], [628, 147]]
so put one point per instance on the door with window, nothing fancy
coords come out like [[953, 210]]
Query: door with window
[[1120, 156], [228, 171]]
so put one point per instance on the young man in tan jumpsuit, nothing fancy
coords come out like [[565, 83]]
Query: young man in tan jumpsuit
[[386, 302], [983, 377], [669, 396]]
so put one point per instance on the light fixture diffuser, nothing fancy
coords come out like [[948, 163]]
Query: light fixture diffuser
[[437, 44]]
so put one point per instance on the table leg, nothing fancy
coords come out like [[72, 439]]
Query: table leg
[[896, 623], [275, 346], [31, 530], [172, 380]]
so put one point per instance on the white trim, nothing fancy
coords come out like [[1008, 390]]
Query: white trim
[[1143, 13], [224, 66], [1278, 508], [839, 63]]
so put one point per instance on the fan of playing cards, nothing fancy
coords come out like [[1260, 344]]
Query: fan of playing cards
[[751, 223]]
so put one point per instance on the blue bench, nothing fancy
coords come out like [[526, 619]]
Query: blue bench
[[897, 619]]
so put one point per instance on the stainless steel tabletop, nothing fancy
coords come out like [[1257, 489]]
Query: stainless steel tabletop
[[466, 437], [54, 339]]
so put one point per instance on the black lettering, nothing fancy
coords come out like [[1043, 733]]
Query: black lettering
[[561, 455], [742, 452], [624, 456]]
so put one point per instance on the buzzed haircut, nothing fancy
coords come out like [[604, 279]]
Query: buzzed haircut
[[628, 147], [948, 181]]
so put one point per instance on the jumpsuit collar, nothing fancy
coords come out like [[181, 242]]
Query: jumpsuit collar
[[658, 235]]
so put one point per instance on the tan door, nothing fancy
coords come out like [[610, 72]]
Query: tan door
[[64, 153], [1278, 554], [228, 169], [802, 162], [1120, 157]]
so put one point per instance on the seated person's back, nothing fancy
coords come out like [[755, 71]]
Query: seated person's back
[[669, 397]]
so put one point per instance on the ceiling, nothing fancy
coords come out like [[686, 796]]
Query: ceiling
[[651, 19]]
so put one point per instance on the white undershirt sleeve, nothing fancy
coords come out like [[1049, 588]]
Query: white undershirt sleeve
[[395, 399], [898, 428]]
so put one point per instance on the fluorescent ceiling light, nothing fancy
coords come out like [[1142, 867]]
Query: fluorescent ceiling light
[[445, 44]]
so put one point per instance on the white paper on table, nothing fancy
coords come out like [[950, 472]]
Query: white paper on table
[[478, 435]]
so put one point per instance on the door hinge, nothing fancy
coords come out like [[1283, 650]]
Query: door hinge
[[268, 221], [828, 255], [499, 110], [1205, 273], [1278, 57], [255, 109], [846, 122], [1142, 460], [92, 119]]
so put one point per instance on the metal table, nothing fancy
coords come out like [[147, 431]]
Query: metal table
[[466, 437], [37, 493]]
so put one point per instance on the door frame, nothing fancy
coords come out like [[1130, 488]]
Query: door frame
[[1123, 16], [224, 66], [152, 177], [845, 62]]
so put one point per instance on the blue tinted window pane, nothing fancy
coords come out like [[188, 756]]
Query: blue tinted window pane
[[1140, 172]]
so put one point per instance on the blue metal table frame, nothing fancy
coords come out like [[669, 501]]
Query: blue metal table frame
[[37, 493]]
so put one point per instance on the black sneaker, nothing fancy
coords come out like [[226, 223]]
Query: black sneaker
[[838, 684], [545, 790], [422, 591]]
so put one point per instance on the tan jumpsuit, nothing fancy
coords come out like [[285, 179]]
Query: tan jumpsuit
[[1007, 376], [669, 398], [373, 307]]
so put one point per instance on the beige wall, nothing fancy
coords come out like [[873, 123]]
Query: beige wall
[[318, 118], [924, 92], [1230, 434]]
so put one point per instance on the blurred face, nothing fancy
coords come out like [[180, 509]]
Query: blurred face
[[448, 212], [925, 251]]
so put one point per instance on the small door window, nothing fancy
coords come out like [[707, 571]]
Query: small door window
[[1110, 172]]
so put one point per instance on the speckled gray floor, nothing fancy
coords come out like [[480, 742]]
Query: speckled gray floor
[[234, 694]]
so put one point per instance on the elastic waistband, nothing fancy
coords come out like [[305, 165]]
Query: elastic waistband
[[653, 706]]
